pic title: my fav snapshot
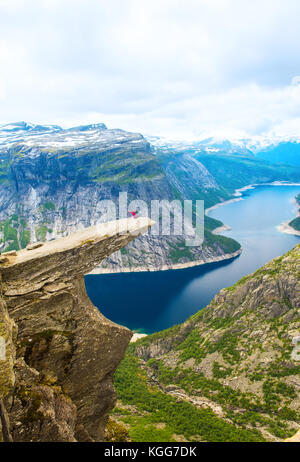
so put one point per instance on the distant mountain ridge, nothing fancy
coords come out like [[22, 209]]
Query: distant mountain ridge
[[28, 134], [53, 180], [287, 152], [278, 150]]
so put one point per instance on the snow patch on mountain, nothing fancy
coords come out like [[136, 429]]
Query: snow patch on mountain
[[217, 144]]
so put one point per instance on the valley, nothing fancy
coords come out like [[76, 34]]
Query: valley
[[170, 297], [226, 374], [149, 226], [53, 182], [217, 364]]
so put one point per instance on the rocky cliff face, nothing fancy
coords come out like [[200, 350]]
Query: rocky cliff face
[[56, 378], [53, 182], [234, 362]]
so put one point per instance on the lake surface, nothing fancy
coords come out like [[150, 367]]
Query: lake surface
[[149, 302]]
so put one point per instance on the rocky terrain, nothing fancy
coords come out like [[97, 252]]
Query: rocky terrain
[[53, 182], [229, 373], [59, 352]]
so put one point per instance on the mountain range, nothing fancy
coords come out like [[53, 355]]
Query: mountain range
[[228, 373], [52, 182]]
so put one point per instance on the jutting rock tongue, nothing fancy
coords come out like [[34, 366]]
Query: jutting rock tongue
[[66, 350]]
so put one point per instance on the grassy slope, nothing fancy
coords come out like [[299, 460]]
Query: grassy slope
[[296, 222], [112, 167], [283, 153], [210, 197], [236, 353], [233, 172], [15, 231], [158, 417]]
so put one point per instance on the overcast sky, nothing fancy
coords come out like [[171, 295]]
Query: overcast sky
[[175, 68]]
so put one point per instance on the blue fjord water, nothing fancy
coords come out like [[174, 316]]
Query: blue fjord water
[[149, 302]]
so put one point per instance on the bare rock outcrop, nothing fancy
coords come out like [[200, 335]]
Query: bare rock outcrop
[[56, 381]]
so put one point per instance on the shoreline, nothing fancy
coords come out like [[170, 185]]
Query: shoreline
[[285, 226], [137, 337], [220, 204], [282, 228], [177, 266], [287, 229], [238, 193], [238, 196], [221, 229]]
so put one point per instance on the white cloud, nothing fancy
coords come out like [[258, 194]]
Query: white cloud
[[175, 67], [296, 80]]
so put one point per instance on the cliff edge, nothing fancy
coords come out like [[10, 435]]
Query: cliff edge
[[58, 352]]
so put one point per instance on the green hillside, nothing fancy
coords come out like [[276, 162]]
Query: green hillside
[[226, 374], [296, 222]]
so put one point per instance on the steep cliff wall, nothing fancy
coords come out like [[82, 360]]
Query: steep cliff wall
[[53, 182], [7, 359], [229, 373], [61, 352]]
